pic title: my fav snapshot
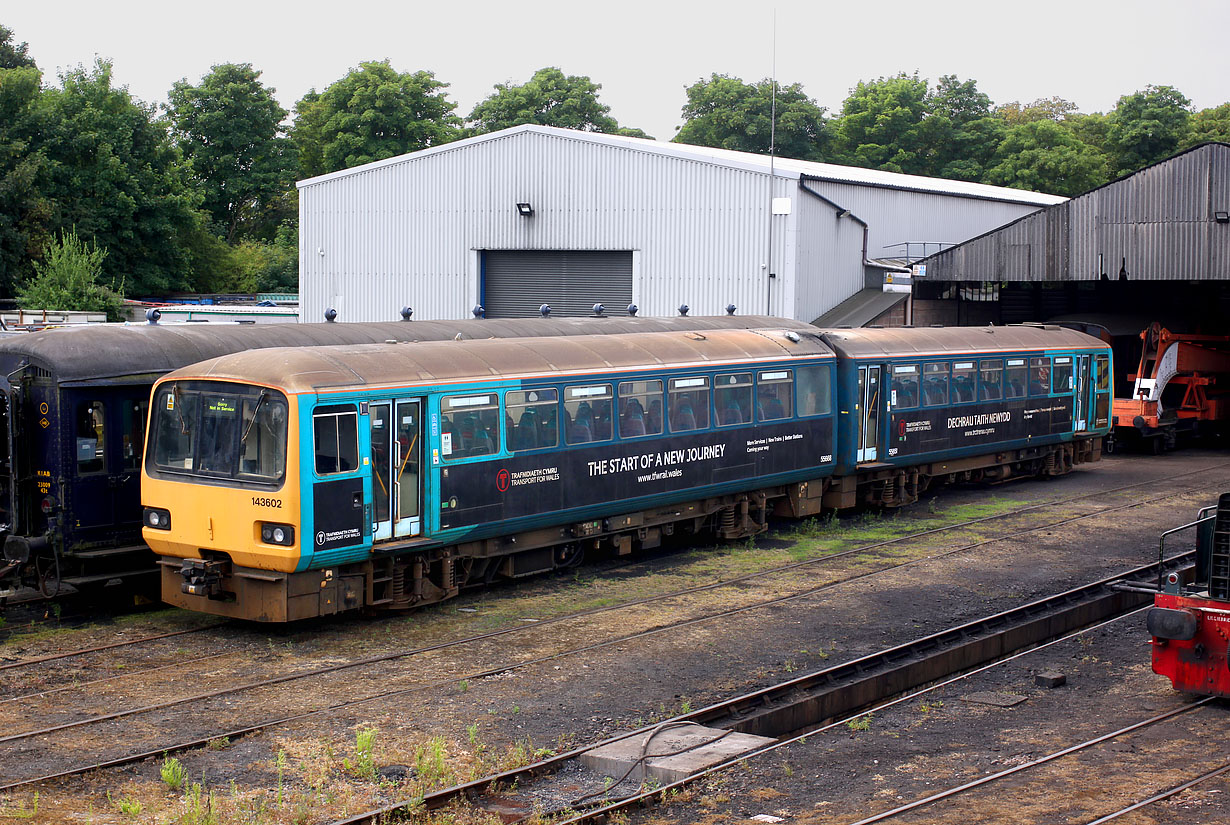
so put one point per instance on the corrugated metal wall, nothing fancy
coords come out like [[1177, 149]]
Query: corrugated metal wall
[[1156, 225], [827, 271]]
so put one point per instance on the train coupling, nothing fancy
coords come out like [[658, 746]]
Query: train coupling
[[203, 577]]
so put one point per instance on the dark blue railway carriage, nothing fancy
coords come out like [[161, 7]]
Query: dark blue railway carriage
[[917, 406]]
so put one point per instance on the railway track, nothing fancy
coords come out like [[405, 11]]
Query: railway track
[[792, 710], [266, 722]]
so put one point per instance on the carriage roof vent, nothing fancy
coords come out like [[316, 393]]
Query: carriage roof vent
[[683, 309], [153, 315], [730, 309], [545, 310], [406, 312], [330, 315], [478, 311], [633, 309], [598, 310]]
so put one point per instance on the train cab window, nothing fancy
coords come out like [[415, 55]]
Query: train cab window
[[1103, 363], [469, 425], [688, 404], [133, 414], [990, 379], [640, 408], [1016, 378], [774, 395], [530, 419], [1039, 376], [91, 437], [1061, 376], [335, 431], [732, 397], [262, 438], [963, 382], [815, 395], [905, 387], [587, 414], [935, 385]]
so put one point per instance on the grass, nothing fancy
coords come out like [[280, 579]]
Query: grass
[[173, 773], [363, 765]]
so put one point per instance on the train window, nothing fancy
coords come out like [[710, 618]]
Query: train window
[[91, 437], [262, 440], [905, 386], [530, 418], [172, 432], [732, 397], [133, 413], [688, 404], [774, 391], [587, 414], [1103, 363], [990, 379], [1016, 378], [640, 408], [469, 425], [815, 396], [336, 433], [963, 382], [1062, 374], [1039, 376], [935, 385]]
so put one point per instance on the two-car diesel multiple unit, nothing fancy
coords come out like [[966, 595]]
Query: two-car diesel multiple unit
[[285, 484]]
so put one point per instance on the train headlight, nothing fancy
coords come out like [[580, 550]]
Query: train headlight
[[156, 517], [282, 534]]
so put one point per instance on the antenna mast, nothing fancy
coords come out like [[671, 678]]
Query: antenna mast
[[772, 159]]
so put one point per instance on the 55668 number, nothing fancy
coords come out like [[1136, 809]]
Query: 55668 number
[[261, 501]]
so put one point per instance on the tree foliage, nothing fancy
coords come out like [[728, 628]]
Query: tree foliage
[[1146, 127], [1043, 156], [25, 209], [229, 129], [549, 98], [883, 125], [726, 113], [1209, 125], [14, 55], [69, 279], [373, 113]]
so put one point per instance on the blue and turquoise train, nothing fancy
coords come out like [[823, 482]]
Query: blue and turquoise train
[[285, 484]]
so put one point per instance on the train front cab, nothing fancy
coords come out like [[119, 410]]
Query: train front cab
[[909, 419]]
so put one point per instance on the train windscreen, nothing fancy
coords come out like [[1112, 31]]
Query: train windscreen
[[226, 432]]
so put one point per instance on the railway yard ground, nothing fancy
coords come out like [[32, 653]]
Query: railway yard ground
[[183, 718]]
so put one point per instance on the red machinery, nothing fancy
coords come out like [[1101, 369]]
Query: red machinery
[[1190, 622]]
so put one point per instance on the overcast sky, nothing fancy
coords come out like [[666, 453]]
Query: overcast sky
[[645, 53]]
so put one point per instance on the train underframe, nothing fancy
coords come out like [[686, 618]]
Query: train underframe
[[416, 573]]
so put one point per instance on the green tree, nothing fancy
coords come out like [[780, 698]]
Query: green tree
[[373, 113], [1043, 156], [1050, 108], [14, 55], [961, 133], [1146, 127], [882, 125], [1209, 125], [25, 211], [68, 278], [726, 113], [549, 98], [115, 175], [229, 130]]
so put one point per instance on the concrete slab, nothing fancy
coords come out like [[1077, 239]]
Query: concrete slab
[[999, 700], [670, 754]]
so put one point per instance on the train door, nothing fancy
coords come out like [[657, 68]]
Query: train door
[[1081, 393], [396, 444], [8, 463], [868, 413]]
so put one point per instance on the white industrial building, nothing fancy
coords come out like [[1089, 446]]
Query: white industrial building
[[536, 215]]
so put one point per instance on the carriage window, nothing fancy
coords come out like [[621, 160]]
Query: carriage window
[[530, 418], [262, 447], [814, 392], [587, 414], [640, 408], [469, 425], [905, 386], [1016, 378], [991, 380], [774, 395], [963, 381], [688, 404], [1062, 374], [1103, 363], [91, 432], [732, 396], [935, 385], [336, 433], [133, 413], [1039, 376]]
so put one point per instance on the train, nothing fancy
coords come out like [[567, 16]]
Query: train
[[73, 409], [1189, 623], [289, 484]]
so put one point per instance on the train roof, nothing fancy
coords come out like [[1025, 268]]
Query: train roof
[[319, 368], [114, 351], [906, 342]]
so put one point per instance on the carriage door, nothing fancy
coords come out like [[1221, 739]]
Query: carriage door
[[1080, 401], [396, 448], [868, 413]]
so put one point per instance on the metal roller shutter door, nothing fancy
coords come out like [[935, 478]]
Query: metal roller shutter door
[[516, 284]]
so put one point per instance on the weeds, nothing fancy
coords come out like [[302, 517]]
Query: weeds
[[173, 773], [21, 812], [862, 723], [220, 743], [363, 766], [430, 762]]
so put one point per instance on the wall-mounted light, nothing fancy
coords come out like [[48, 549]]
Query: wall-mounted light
[[525, 210], [1221, 217]]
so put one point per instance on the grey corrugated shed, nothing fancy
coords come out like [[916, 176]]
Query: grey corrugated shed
[[1157, 224], [862, 308]]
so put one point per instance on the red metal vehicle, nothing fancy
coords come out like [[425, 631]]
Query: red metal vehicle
[[1190, 621]]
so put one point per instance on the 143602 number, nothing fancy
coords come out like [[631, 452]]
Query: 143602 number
[[261, 501]]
